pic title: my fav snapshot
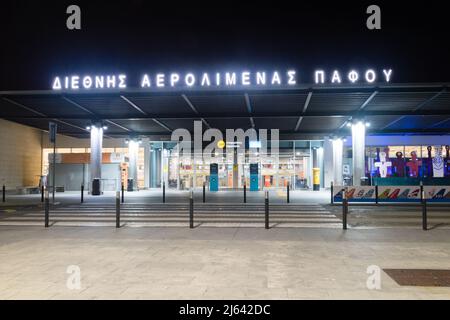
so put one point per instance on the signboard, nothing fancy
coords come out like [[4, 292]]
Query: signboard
[[224, 79], [255, 144], [116, 157], [58, 158], [52, 128]]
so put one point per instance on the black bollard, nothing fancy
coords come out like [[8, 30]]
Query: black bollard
[[332, 193], [245, 193], [287, 193], [164, 192], [204, 193], [376, 194], [421, 191], [46, 208], [117, 209], [424, 212], [82, 193], [191, 209], [42, 193], [123, 193], [344, 209], [266, 205], [4, 193]]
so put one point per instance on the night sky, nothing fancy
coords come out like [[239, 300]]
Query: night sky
[[139, 36]]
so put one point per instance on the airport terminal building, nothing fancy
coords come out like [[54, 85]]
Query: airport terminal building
[[357, 127]]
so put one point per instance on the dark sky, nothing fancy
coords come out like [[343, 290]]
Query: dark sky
[[139, 36]]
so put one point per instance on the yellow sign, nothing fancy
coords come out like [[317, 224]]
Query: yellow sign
[[221, 144]]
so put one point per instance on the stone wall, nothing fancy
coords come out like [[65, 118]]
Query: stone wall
[[20, 155]]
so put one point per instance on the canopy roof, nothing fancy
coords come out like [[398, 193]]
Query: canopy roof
[[298, 112]]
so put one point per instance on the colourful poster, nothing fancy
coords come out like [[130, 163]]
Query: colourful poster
[[437, 193], [355, 194], [398, 193]]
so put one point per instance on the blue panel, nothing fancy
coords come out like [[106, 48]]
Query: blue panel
[[213, 177], [254, 177]]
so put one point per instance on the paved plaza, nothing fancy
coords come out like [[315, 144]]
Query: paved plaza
[[228, 255]]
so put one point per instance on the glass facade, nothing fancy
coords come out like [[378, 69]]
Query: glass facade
[[293, 167], [400, 160]]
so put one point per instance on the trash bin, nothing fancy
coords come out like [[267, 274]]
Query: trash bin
[[95, 187], [365, 181], [130, 185]]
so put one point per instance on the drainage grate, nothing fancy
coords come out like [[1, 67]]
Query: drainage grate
[[420, 277]]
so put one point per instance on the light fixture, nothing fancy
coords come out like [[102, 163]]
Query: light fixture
[[126, 141], [88, 127], [349, 124], [367, 124], [105, 127]]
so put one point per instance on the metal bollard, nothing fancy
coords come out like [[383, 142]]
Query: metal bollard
[[4, 193], [46, 208], [117, 209], [42, 193], [332, 192], [191, 210], [82, 193], [204, 193], [424, 212], [376, 194], [123, 193], [245, 193], [164, 192], [287, 193], [266, 205], [421, 191], [344, 209]]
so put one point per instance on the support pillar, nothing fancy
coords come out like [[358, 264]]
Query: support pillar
[[358, 152], [316, 169], [146, 163], [328, 168], [96, 159], [133, 151], [235, 169], [338, 145]]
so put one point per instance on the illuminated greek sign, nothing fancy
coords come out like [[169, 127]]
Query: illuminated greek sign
[[228, 79]]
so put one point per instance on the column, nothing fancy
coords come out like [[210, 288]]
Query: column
[[146, 163], [235, 169], [133, 151], [95, 167], [328, 165], [316, 169], [358, 151], [155, 164], [338, 145]]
